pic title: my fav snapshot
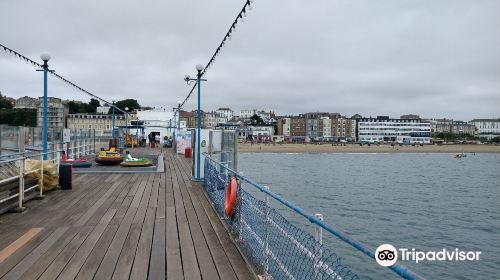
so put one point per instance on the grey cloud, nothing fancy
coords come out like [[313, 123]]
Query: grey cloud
[[433, 58]]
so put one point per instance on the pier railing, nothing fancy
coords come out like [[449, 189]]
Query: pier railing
[[277, 248], [18, 138], [14, 191]]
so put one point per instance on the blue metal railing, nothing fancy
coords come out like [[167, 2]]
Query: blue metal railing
[[224, 171]]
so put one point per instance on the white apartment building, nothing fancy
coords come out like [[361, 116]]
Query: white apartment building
[[226, 112], [212, 119], [157, 121], [98, 122], [246, 114], [327, 127], [384, 129], [103, 109], [27, 102], [55, 112], [286, 126], [353, 128], [261, 133], [488, 128], [265, 116]]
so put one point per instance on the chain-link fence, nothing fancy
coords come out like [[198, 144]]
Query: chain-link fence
[[275, 247]]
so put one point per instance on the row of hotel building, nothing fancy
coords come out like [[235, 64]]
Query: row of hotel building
[[408, 129], [307, 127]]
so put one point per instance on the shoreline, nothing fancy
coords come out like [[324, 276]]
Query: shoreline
[[353, 148]]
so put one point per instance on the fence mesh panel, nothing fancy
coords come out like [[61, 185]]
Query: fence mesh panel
[[275, 246]]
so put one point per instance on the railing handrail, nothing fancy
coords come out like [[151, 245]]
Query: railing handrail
[[398, 269], [23, 155]]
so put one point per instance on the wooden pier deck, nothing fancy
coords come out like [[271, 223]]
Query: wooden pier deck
[[121, 226]]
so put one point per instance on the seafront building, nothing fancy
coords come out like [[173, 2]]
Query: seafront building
[[56, 113], [384, 129], [343, 129], [102, 109], [94, 121], [267, 116], [226, 112], [26, 102], [451, 126], [156, 121], [320, 126], [487, 128]]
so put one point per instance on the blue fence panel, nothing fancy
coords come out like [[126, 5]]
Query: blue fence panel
[[269, 241]]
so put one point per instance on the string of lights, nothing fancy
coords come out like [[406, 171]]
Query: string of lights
[[36, 64], [240, 17]]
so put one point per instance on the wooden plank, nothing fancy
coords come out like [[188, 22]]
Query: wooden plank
[[219, 256], [46, 260], [34, 271], [173, 251], [143, 252], [239, 265], [20, 242], [33, 257], [188, 254], [51, 223], [91, 211], [207, 266], [75, 263], [62, 259], [157, 266], [127, 255], [92, 262], [110, 259]]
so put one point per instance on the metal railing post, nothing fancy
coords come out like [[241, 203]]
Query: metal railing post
[[21, 185], [240, 213], [318, 251], [58, 160], [41, 174], [266, 241]]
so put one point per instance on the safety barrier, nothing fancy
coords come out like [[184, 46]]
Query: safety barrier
[[276, 247], [12, 169]]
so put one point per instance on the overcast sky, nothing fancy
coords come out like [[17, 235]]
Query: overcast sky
[[387, 57]]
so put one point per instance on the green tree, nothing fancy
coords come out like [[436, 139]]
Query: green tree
[[4, 102], [94, 103], [79, 108], [131, 104], [495, 139], [257, 120], [18, 117]]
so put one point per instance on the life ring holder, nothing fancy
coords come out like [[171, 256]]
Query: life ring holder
[[231, 196]]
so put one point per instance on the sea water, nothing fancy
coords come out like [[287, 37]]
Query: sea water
[[426, 202]]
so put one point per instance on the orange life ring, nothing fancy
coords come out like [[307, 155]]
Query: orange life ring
[[230, 201]]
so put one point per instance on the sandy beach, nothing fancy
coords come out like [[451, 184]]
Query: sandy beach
[[351, 148]]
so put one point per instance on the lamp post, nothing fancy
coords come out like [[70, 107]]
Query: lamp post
[[45, 57], [179, 114], [199, 68], [126, 120], [113, 121], [126, 123], [137, 132], [198, 80]]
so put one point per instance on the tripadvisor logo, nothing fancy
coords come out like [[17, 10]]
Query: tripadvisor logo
[[387, 255]]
